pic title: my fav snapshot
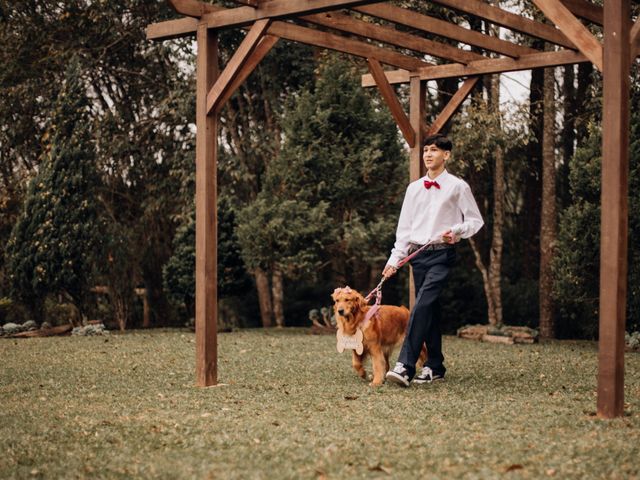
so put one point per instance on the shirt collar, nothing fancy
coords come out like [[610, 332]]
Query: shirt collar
[[440, 178]]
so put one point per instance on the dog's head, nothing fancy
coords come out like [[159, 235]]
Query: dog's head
[[347, 305]]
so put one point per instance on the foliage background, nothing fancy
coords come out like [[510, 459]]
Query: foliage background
[[311, 175]]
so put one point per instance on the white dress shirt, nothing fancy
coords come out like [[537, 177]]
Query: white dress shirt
[[427, 213]]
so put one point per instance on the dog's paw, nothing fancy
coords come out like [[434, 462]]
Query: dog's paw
[[376, 384]]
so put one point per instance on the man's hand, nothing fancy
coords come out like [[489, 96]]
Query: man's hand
[[389, 271], [450, 237]]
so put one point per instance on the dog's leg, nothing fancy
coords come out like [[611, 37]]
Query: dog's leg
[[422, 358], [379, 363], [387, 353], [356, 361]]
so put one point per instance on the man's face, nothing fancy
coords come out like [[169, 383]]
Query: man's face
[[434, 157]]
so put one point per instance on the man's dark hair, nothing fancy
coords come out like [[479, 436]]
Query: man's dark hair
[[439, 140]]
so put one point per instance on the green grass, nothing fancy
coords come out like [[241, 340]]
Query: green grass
[[290, 406]]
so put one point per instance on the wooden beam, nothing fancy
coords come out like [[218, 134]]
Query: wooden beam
[[614, 209], [297, 33], [234, 65], [445, 29], [573, 28], [389, 96], [264, 47], [331, 41], [417, 102], [192, 8], [172, 29], [345, 23], [206, 212], [509, 20], [585, 10], [482, 67], [453, 105], [275, 9]]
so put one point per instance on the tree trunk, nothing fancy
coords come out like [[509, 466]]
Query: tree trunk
[[495, 255], [494, 270], [570, 108], [120, 308], [264, 297], [530, 212], [548, 215], [278, 297], [491, 308]]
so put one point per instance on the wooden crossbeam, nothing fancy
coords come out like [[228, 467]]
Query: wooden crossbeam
[[453, 105], [391, 36], [586, 10], [389, 96], [574, 29], [442, 28], [238, 59], [297, 33], [482, 67], [508, 20], [192, 8], [240, 16], [331, 41], [171, 29], [266, 44]]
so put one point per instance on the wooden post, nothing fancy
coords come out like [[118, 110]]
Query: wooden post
[[614, 221], [417, 91], [206, 215]]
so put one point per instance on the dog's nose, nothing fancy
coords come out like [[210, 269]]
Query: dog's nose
[[341, 311]]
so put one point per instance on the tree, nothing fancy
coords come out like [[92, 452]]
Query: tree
[[548, 212], [140, 105], [58, 236], [482, 143], [341, 152], [577, 261], [179, 271], [285, 237]]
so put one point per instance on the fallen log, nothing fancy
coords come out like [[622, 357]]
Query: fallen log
[[498, 339], [43, 332]]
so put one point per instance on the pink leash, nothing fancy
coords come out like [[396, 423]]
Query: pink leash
[[378, 290]]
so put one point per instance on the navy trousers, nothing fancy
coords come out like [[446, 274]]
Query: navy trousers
[[430, 272]]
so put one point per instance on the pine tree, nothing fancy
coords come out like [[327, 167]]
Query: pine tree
[[179, 271], [337, 184], [57, 238]]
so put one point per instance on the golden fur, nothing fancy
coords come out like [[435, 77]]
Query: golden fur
[[385, 330]]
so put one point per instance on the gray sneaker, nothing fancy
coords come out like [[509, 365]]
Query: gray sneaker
[[427, 376], [399, 375]]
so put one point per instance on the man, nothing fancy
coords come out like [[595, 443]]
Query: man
[[438, 209]]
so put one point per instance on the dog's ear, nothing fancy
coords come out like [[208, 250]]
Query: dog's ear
[[361, 302]]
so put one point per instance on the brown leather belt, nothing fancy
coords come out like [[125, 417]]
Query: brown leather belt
[[436, 246]]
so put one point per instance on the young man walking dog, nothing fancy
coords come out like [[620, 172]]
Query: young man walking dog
[[438, 209]]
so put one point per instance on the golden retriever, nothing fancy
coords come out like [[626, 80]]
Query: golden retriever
[[381, 334]]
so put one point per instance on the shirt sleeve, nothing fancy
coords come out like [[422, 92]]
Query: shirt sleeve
[[471, 218], [403, 233]]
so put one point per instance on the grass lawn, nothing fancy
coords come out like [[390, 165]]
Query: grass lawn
[[125, 406]]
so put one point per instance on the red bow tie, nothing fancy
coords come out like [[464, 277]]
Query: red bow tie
[[428, 184]]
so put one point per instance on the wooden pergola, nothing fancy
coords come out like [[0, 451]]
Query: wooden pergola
[[341, 25]]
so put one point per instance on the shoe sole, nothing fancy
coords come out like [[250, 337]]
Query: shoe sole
[[397, 379], [435, 380]]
